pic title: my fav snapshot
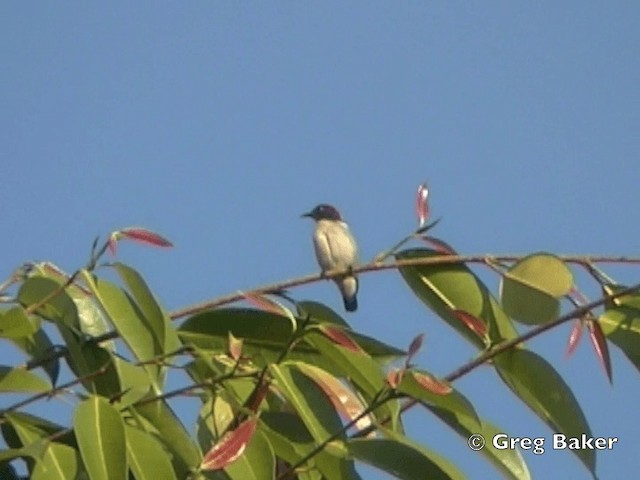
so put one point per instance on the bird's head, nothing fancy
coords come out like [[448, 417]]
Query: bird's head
[[324, 212]]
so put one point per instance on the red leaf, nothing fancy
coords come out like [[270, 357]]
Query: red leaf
[[600, 346], [422, 204], [473, 323], [432, 384], [113, 241], [235, 347], [143, 235], [394, 377], [344, 400], [339, 337], [574, 337], [137, 234], [414, 348], [264, 303], [229, 447], [438, 245]]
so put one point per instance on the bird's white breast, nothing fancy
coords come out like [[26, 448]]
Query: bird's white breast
[[334, 245]]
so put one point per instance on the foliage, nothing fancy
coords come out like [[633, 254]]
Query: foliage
[[287, 389]]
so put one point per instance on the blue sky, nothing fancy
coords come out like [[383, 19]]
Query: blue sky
[[219, 123]]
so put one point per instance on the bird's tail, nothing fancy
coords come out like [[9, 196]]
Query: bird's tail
[[349, 289]]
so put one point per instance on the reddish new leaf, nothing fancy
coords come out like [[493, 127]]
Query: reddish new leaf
[[473, 323], [432, 384], [344, 400], [137, 234], [414, 347], [235, 347], [394, 377], [113, 241], [574, 337], [438, 245], [230, 446], [339, 337], [422, 204], [599, 343], [264, 303], [143, 235]]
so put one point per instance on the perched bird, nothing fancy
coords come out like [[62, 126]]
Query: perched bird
[[336, 249]]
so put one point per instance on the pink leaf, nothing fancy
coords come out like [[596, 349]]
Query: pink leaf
[[344, 400], [432, 384], [143, 235], [235, 347], [422, 204], [473, 323], [137, 234], [394, 377], [113, 241], [574, 337], [339, 337], [229, 447], [600, 346], [263, 303], [438, 245]]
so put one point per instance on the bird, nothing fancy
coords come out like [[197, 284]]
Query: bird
[[335, 249]]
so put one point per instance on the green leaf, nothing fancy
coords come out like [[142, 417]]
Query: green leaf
[[39, 346], [156, 316], [360, 368], [31, 434], [292, 441], [509, 462], [454, 401], [147, 457], [133, 380], [402, 458], [452, 286], [263, 333], [545, 392], [256, 463], [10, 454], [320, 313], [530, 289], [59, 462], [21, 429], [287, 434], [526, 304], [382, 352], [128, 319], [95, 359], [58, 308], [308, 399], [544, 272], [99, 429], [92, 321], [23, 381], [90, 318], [15, 323], [621, 325], [165, 423]]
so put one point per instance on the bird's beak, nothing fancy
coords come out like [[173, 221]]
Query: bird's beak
[[308, 214]]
